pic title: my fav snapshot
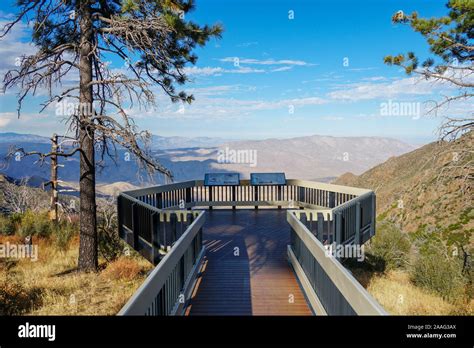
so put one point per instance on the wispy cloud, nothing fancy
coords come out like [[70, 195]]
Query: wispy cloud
[[13, 46], [206, 107], [405, 87], [252, 61], [215, 71], [283, 68], [4, 121], [363, 69]]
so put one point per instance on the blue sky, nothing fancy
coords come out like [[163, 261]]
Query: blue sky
[[321, 72]]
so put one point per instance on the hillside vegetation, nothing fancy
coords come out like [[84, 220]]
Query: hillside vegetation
[[425, 224], [47, 282], [416, 189]]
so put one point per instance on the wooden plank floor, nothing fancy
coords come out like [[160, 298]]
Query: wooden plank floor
[[246, 271]]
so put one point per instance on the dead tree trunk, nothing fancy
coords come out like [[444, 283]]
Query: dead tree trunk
[[88, 253], [54, 179]]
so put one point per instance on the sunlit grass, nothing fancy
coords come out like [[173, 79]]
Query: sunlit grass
[[397, 295], [52, 286]]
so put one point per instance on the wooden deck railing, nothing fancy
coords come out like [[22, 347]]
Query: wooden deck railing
[[159, 221], [168, 287], [330, 288], [193, 193]]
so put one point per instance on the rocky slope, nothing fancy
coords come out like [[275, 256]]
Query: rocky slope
[[430, 187]]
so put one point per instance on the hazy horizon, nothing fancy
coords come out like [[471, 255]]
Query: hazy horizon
[[411, 141]]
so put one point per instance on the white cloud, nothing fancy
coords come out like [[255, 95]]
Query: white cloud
[[265, 61], [283, 68], [205, 71], [44, 123], [375, 78], [362, 69], [245, 70], [4, 121], [215, 71], [406, 87], [207, 108], [13, 46], [240, 69]]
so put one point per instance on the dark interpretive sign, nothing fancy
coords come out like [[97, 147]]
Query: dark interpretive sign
[[221, 179], [257, 179]]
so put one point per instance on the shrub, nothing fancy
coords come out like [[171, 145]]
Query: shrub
[[64, 234], [36, 224], [389, 248], [439, 273], [110, 244], [123, 268], [15, 299], [7, 227]]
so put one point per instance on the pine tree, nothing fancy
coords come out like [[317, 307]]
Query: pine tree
[[155, 42], [450, 39]]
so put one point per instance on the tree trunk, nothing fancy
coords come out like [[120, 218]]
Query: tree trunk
[[54, 180], [88, 254]]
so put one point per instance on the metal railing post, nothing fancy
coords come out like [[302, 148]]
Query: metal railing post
[[233, 197], [374, 216], [357, 236], [187, 194], [159, 197], [256, 195], [153, 246], [210, 197], [120, 216], [279, 195], [320, 227], [332, 199], [338, 228], [135, 225]]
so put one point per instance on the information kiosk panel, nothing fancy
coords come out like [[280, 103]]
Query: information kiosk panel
[[221, 179], [258, 179]]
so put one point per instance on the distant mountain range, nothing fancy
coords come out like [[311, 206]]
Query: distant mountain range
[[312, 157], [164, 143], [158, 142], [16, 138]]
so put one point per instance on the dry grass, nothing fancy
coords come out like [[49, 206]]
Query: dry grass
[[123, 268], [399, 296], [51, 286]]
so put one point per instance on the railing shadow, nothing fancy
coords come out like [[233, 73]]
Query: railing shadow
[[224, 287]]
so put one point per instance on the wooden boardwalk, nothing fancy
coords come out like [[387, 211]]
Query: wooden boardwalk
[[246, 271]]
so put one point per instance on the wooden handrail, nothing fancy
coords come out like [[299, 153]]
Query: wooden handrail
[[350, 293], [147, 293]]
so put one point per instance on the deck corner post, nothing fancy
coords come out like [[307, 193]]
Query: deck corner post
[[374, 215], [320, 227], [338, 228], [357, 239]]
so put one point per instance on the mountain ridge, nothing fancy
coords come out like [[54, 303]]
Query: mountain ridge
[[310, 158], [413, 192]]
